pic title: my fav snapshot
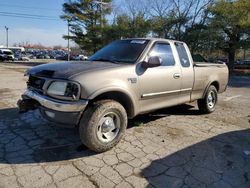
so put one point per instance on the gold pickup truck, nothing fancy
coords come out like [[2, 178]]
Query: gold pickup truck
[[126, 78]]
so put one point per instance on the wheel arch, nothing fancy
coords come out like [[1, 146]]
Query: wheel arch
[[213, 83], [117, 95]]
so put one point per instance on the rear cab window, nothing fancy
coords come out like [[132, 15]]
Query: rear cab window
[[164, 51], [185, 62]]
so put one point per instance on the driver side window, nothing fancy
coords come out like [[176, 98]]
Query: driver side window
[[164, 51]]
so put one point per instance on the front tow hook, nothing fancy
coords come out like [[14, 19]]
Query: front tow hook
[[24, 105]]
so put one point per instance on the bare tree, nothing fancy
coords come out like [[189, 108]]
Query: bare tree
[[135, 8], [159, 8], [116, 11], [188, 13]]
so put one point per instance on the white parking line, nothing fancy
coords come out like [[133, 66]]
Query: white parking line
[[230, 98]]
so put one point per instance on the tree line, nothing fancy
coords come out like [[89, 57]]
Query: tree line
[[207, 26]]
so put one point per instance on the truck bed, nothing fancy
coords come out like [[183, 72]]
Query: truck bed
[[206, 73]]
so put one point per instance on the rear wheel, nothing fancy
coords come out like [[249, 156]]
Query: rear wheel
[[208, 103], [103, 125]]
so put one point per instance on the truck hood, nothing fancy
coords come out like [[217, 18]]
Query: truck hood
[[65, 70]]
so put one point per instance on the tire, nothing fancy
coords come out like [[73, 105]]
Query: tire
[[103, 125], [208, 103]]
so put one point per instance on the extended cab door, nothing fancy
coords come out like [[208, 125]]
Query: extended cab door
[[187, 71], [160, 86]]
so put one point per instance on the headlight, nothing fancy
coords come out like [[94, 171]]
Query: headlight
[[64, 90]]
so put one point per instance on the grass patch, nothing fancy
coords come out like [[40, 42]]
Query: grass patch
[[138, 124]]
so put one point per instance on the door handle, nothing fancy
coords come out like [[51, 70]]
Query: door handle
[[177, 76]]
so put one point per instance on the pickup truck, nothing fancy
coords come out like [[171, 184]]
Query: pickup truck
[[122, 80]]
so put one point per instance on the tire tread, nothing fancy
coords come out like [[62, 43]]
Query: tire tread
[[90, 118]]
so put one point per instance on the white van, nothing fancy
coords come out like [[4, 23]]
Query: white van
[[6, 55]]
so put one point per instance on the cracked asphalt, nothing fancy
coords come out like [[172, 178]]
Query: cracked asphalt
[[174, 147]]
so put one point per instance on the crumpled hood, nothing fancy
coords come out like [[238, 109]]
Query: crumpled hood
[[65, 70]]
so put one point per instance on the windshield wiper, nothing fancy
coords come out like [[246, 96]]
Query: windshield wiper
[[107, 60]]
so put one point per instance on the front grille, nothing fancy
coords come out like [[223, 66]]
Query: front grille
[[36, 83]]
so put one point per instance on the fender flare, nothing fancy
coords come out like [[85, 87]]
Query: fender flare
[[119, 90], [208, 85]]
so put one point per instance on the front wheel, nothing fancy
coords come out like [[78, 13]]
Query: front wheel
[[103, 125], [208, 103]]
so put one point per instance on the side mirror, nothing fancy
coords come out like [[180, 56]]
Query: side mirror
[[153, 61]]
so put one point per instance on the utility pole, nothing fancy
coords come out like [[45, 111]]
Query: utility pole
[[7, 36], [101, 3], [68, 43]]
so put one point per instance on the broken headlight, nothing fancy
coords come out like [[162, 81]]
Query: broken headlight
[[64, 90]]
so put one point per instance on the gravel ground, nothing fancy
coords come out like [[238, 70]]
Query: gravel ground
[[175, 147]]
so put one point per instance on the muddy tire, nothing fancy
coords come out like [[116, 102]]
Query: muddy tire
[[208, 103], [103, 125]]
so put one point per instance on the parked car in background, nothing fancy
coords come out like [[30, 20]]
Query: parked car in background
[[46, 57], [59, 54], [6, 55], [81, 58], [245, 62], [52, 56], [222, 60], [65, 57], [40, 56], [242, 64], [24, 58]]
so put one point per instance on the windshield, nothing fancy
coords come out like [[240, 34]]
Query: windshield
[[7, 53], [124, 51]]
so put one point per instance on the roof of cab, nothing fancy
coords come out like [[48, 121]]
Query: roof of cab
[[153, 39]]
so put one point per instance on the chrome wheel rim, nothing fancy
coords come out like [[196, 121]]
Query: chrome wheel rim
[[211, 99], [108, 127]]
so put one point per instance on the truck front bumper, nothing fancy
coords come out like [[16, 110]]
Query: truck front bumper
[[63, 112]]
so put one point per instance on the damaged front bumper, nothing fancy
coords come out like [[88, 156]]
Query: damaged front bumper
[[58, 111]]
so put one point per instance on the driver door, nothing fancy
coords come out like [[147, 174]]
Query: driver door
[[160, 86]]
